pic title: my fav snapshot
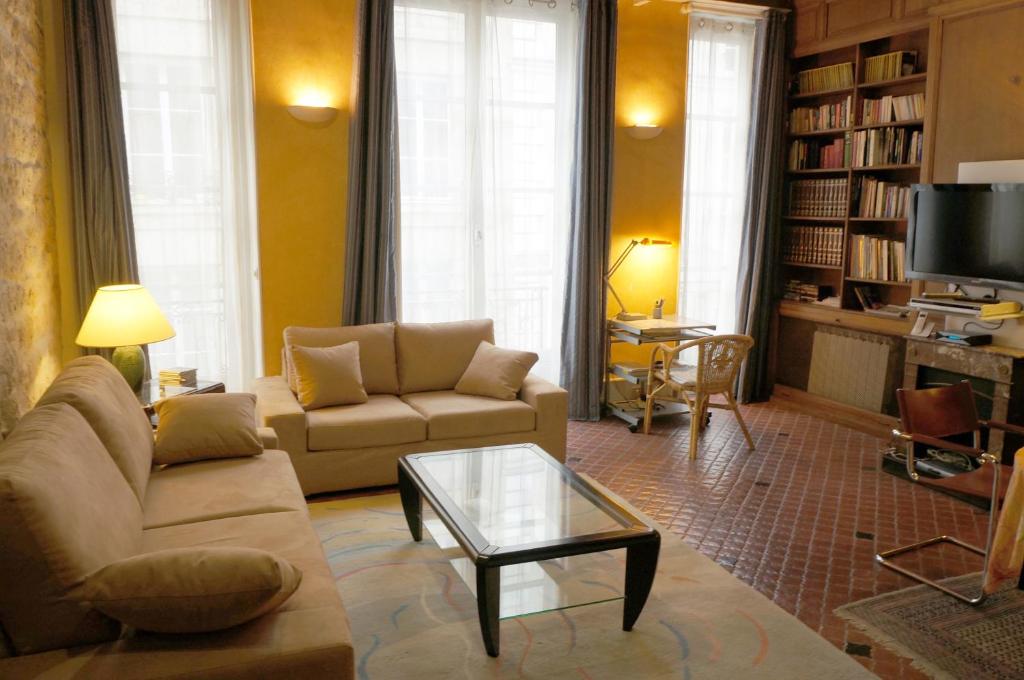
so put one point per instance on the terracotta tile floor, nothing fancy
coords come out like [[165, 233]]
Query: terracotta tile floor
[[799, 519]]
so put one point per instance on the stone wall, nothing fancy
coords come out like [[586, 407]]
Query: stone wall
[[29, 295]]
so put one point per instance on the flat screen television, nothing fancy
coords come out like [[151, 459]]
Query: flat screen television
[[967, 233]]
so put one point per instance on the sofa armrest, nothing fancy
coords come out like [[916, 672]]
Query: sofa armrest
[[551, 403], [277, 408], [268, 436]]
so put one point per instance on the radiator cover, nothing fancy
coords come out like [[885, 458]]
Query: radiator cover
[[854, 368]]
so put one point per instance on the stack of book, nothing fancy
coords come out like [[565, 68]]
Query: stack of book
[[875, 198], [815, 245], [178, 377], [825, 78], [812, 154], [889, 109], [889, 66], [824, 117], [887, 146], [800, 291], [817, 198], [878, 259]]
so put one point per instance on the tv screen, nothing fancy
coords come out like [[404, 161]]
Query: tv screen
[[967, 233]]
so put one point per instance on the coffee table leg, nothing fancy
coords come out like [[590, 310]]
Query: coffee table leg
[[412, 504], [488, 603], [641, 563]]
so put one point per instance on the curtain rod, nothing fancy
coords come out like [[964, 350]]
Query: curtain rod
[[720, 7]]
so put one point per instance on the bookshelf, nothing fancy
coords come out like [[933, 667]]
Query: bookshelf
[[873, 131]]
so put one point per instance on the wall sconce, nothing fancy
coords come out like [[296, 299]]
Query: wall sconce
[[644, 131], [313, 114]]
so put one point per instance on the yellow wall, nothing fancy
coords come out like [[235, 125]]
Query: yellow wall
[[648, 176], [302, 169]]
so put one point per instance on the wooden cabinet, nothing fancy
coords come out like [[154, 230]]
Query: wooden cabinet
[[849, 16]]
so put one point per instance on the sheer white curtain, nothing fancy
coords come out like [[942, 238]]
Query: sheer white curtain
[[186, 86], [720, 63], [486, 93]]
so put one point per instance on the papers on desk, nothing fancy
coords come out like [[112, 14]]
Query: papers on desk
[[670, 325]]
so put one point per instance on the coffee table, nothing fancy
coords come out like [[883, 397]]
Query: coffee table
[[510, 505]]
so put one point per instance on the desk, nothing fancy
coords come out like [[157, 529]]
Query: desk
[[673, 331]]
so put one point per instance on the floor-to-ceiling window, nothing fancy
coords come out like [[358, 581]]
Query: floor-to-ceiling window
[[720, 63], [486, 93], [186, 88]]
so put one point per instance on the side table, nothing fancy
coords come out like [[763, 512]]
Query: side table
[[152, 391]]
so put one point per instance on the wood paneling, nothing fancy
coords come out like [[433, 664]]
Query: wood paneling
[[913, 8], [807, 22], [980, 105], [848, 16]]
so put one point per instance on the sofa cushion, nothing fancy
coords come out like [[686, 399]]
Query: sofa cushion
[[230, 487], [451, 415], [496, 372], [376, 351], [192, 590], [381, 421], [203, 426], [66, 511], [433, 356], [328, 376], [96, 390]]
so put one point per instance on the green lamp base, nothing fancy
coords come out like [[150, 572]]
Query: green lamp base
[[130, 361]]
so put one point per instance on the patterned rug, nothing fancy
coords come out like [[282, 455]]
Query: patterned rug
[[413, 617], [944, 637]]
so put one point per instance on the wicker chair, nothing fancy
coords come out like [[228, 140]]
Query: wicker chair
[[719, 358]]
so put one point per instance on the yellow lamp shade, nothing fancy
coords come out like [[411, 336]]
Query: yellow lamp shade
[[123, 315]]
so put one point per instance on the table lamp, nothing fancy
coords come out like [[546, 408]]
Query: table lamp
[[624, 315], [124, 317]]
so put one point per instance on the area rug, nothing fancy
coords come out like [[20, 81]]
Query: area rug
[[413, 617], [944, 637]]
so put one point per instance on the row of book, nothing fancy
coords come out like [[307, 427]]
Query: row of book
[[887, 146], [889, 66], [879, 259], [824, 117], [818, 197], [874, 198], [825, 78], [889, 109], [808, 154], [801, 291], [178, 377], [815, 245]]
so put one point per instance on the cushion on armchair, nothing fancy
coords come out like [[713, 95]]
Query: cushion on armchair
[[328, 376], [201, 426]]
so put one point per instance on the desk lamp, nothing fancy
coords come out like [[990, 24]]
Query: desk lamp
[[624, 315], [124, 317]]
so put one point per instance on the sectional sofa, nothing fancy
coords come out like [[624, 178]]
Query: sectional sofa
[[409, 371], [78, 491]]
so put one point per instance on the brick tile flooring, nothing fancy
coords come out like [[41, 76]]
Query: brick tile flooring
[[800, 518]]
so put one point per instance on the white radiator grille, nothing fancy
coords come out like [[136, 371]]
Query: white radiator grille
[[850, 367]]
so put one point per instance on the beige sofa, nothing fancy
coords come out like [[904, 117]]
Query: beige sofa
[[409, 371], [78, 491]]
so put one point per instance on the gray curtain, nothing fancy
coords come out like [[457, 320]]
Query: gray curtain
[[371, 268], [101, 202], [583, 325], [762, 223]]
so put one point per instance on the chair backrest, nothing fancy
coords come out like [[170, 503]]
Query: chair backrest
[[719, 358], [938, 411]]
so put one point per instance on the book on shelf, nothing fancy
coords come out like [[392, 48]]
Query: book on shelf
[[818, 118], [801, 291], [870, 303], [877, 258], [825, 78], [811, 154], [814, 245], [887, 146], [890, 109], [818, 197], [889, 66], [873, 197]]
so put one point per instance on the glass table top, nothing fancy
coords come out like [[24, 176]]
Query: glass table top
[[517, 496]]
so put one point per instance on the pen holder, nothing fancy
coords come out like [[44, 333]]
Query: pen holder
[[656, 314]]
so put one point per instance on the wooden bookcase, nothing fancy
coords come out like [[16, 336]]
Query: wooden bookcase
[[839, 276]]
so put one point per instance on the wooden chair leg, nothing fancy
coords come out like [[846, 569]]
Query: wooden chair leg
[[648, 412], [697, 409], [739, 419]]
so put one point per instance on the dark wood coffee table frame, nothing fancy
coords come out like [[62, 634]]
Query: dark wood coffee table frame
[[642, 543]]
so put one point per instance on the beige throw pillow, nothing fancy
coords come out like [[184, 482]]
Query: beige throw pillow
[[328, 376], [200, 426], [496, 372], [192, 590]]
